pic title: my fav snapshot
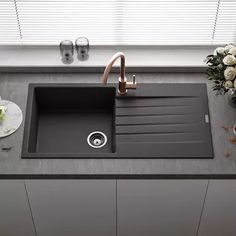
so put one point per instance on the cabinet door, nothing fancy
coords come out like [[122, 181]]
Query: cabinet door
[[159, 207], [73, 207], [219, 214], [15, 216]]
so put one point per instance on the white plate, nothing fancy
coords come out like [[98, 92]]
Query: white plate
[[13, 118]]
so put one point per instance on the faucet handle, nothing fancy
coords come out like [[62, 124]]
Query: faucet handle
[[131, 85], [134, 79]]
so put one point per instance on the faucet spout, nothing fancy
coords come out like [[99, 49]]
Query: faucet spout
[[107, 70], [123, 84]]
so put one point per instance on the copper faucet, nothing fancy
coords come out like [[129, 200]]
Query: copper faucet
[[123, 84]]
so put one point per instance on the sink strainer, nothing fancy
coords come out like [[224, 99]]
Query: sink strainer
[[97, 139]]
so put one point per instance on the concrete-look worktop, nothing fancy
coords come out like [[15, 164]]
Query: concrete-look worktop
[[14, 87]]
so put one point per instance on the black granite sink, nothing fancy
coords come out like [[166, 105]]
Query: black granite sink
[[154, 121]]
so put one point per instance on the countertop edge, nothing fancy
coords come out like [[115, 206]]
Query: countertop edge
[[117, 176]]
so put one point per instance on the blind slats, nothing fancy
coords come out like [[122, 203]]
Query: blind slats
[[117, 22], [9, 32]]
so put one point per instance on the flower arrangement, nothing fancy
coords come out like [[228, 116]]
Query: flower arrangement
[[222, 69]]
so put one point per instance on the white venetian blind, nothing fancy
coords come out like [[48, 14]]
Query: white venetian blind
[[226, 22], [114, 22], [9, 31]]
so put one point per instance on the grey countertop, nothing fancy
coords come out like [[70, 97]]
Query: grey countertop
[[14, 87]]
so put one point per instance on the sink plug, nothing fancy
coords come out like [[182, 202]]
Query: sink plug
[[97, 139], [123, 84]]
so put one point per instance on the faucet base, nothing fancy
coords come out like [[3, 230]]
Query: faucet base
[[122, 93], [122, 86]]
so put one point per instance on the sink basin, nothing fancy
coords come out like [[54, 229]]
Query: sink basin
[[92, 121], [63, 117]]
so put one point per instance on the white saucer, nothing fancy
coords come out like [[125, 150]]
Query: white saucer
[[13, 118]]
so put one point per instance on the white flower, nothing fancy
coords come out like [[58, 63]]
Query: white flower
[[228, 84], [230, 73], [228, 47], [235, 83], [219, 50], [233, 51], [229, 60]]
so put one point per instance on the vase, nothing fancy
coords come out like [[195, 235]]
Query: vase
[[231, 97]]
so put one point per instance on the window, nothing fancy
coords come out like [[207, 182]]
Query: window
[[118, 22]]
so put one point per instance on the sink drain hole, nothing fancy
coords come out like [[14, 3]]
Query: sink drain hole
[[97, 139]]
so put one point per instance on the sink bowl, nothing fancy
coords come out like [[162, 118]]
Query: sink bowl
[[92, 121], [62, 118]]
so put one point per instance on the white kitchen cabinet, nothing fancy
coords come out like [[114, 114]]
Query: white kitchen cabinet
[[73, 207], [15, 215], [219, 214], [159, 207]]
